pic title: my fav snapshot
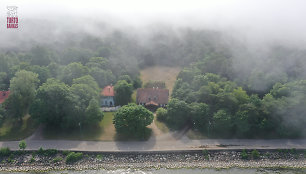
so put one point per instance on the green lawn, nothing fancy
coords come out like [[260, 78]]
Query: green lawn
[[104, 131], [12, 130], [161, 126]]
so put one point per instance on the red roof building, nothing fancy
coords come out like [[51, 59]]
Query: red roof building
[[107, 96], [3, 96], [108, 91], [152, 97]]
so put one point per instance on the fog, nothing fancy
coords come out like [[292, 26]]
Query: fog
[[255, 34], [250, 21]]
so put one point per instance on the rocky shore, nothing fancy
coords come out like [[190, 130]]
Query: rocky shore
[[31, 161]]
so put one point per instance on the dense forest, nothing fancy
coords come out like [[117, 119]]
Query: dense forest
[[226, 88]]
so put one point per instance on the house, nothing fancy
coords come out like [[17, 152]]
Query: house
[[107, 96], [3, 96], [152, 98]]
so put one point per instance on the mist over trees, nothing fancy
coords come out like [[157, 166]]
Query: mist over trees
[[227, 87]]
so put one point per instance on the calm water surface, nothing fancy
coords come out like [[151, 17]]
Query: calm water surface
[[175, 171]]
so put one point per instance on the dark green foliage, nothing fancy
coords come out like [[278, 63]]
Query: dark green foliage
[[244, 154], [99, 157], [22, 145], [161, 114], [255, 154], [178, 114], [32, 160], [137, 83], [23, 89], [123, 92], [5, 151], [46, 152], [55, 105], [74, 157], [93, 113], [72, 71], [132, 119], [57, 159]]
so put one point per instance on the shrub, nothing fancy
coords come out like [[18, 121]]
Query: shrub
[[161, 114], [244, 154], [73, 157], [22, 145], [65, 152], [32, 160], [99, 157], [57, 159], [255, 154], [205, 153], [40, 151], [50, 152], [5, 151], [10, 158]]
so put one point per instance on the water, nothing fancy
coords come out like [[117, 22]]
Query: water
[[176, 171]]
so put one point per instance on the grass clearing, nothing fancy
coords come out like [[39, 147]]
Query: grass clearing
[[11, 130], [161, 126], [161, 73], [104, 131]]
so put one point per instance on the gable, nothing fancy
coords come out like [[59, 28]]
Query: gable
[[147, 95]]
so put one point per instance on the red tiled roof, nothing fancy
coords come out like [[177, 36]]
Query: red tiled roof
[[108, 91], [158, 96], [3, 96]]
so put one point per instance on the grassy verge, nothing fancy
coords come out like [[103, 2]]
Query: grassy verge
[[12, 130], [104, 131], [161, 126]]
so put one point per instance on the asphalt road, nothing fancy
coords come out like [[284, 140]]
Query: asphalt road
[[158, 142], [152, 145]]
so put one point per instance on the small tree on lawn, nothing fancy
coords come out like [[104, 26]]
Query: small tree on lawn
[[132, 119], [22, 145]]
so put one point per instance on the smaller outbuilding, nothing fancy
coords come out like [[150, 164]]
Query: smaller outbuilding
[[107, 96], [152, 98]]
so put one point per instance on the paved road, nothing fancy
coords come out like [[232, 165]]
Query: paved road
[[158, 142], [151, 145]]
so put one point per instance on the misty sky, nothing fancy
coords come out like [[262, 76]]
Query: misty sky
[[255, 20]]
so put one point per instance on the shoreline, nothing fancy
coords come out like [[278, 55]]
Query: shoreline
[[217, 159]]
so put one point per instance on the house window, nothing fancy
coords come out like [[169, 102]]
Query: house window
[[105, 102], [149, 99]]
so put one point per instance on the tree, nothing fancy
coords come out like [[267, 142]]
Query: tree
[[200, 116], [23, 91], [222, 123], [72, 71], [55, 105], [132, 119], [93, 113], [85, 88], [123, 92], [161, 114], [178, 114], [42, 71], [4, 82]]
